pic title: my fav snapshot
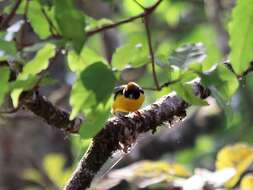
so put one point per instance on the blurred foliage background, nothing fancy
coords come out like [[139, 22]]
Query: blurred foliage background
[[82, 70]]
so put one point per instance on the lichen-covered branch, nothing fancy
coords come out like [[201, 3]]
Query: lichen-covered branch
[[52, 115], [121, 132]]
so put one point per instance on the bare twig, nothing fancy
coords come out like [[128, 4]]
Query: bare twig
[[166, 84], [140, 5], [147, 11], [6, 20], [120, 133], [151, 53], [241, 76], [22, 31]]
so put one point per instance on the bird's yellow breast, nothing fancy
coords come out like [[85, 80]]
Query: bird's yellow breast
[[123, 104]]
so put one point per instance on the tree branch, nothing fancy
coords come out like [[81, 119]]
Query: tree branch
[[53, 116], [119, 133], [6, 21]]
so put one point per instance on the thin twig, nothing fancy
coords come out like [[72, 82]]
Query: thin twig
[[148, 11], [166, 84], [22, 31], [6, 21], [140, 5], [151, 53], [52, 28]]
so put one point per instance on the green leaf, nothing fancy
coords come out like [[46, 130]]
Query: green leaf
[[39, 62], [133, 53], [80, 98], [187, 54], [71, 23], [28, 76], [7, 48], [4, 77], [77, 62], [222, 79], [99, 79], [21, 85], [95, 120], [241, 39], [38, 20], [186, 92]]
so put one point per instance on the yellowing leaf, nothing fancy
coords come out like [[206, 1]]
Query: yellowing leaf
[[238, 156], [32, 174], [54, 167], [150, 168], [247, 182]]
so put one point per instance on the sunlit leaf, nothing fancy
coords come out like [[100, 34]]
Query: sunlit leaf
[[99, 79], [88, 56], [71, 23], [241, 39], [37, 19], [4, 86], [80, 98], [27, 78], [54, 167]]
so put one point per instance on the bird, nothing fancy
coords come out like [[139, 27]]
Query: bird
[[127, 98]]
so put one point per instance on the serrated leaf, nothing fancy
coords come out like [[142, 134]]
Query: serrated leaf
[[95, 121], [99, 79], [28, 76], [241, 39], [186, 92], [187, 54], [132, 53], [77, 62], [71, 23], [4, 85], [38, 20]]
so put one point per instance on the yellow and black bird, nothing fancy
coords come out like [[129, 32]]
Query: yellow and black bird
[[127, 98]]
